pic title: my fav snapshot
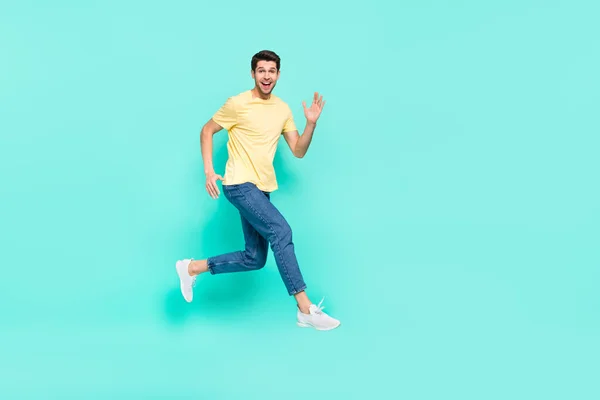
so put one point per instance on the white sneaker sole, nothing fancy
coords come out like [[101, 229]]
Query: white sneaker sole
[[306, 325], [181, 269]]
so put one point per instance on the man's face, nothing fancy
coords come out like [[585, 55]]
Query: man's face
[[265, 76]]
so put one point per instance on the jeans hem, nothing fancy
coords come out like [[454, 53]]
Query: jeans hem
[[294, 292], [210, 266]]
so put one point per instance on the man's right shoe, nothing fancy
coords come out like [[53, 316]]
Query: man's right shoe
[[186, 281], [317, 319]]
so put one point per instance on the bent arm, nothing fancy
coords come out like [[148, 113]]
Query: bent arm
[[299, 144], [206, 144]]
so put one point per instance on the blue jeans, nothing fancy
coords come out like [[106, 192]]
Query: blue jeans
[[263, 225]]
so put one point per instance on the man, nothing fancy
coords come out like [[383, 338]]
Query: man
[[255, 120]]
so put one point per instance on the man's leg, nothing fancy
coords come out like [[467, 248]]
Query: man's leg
[[256, 207], [252, 258], [267, 224], [257, 210]]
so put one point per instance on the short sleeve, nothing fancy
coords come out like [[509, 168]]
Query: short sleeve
[[226, 116], [289, 123]]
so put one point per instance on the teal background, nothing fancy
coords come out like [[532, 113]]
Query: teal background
[[448, 208]]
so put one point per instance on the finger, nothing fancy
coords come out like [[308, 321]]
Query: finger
[[304, 104], [323, 106], [212, 189], [316, 97], [321, 101], [215, 189], [209, 191]]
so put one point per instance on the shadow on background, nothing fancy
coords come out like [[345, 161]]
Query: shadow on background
[[218, 296]]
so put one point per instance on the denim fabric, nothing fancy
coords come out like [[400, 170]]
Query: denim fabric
[[263, 225]]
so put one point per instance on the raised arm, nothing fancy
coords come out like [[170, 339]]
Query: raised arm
[[299, 144]]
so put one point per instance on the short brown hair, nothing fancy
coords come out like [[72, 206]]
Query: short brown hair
[[265, 55]]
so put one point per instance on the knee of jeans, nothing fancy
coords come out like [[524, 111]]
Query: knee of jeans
[[255, 261], [285, 234]]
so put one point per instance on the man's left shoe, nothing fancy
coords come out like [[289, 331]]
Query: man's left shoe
[[317, 319]]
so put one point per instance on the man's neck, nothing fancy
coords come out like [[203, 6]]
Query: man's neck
[[258, 93]]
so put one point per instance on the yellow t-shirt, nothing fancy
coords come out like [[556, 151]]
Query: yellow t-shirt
[[254, 126]]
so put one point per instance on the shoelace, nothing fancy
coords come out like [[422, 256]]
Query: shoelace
[[319, 309]]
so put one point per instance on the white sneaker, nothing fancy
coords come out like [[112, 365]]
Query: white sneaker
[[186, 281], [317, 319]]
